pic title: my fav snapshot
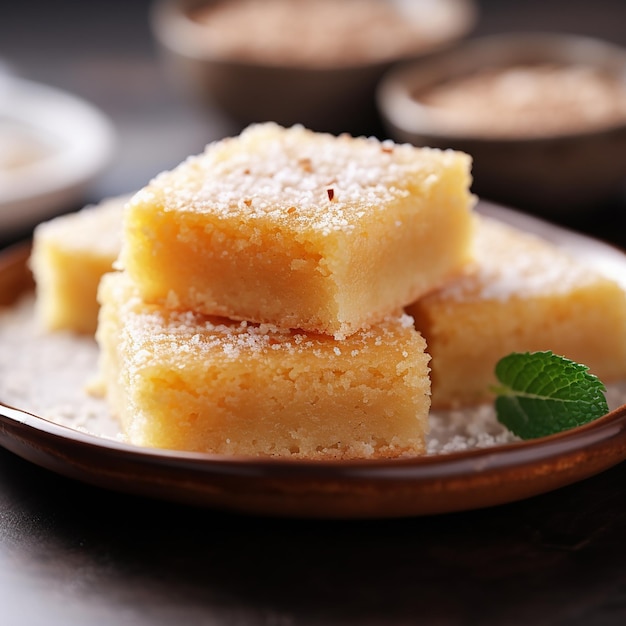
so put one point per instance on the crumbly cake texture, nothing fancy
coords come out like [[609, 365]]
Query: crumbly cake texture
[[523, 294], [185, 381], [301, 229], [70, 255]]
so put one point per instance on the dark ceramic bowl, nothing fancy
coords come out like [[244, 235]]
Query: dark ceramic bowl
[[554, 173], [335, 97]]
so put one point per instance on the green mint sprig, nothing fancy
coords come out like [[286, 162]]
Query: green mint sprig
[[541, 393]]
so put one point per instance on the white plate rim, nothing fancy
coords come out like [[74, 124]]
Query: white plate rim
[[87, 138]]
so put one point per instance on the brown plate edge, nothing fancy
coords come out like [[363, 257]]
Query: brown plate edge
[[357, 489], [323, 489]]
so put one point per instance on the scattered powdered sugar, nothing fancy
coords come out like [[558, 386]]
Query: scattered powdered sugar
[[48, 374], [511, 263], [292, 176], [453, 431]]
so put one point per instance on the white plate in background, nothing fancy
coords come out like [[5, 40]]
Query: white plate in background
[[52, 146]]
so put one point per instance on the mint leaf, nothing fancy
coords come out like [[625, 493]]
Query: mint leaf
[[542, 394]]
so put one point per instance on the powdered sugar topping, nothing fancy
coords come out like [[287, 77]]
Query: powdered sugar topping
[[297, 177], [511, 263]]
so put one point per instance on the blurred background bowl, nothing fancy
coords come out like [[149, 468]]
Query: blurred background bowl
[[294, 83], [543, 164]]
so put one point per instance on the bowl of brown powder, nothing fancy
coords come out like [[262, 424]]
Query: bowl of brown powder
[[313, 62], [543, 115]]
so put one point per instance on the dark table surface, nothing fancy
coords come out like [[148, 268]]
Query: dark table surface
[[71, 554]]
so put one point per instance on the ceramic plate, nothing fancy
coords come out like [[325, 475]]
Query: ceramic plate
[[327, 489], [52, 145]]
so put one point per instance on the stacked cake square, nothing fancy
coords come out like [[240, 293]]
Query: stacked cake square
[[258, 304], [523, 294]]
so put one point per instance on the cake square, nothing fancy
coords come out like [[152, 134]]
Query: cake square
[[184, 381], [523, 294], [301, 229], [69, 256]]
